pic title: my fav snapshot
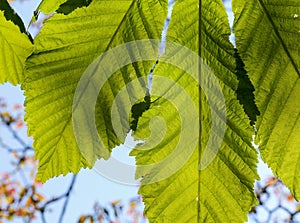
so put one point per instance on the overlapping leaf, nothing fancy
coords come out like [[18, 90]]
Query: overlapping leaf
[[268, 39], [60, 6], [50, 6], [65, 47], [223, 191]]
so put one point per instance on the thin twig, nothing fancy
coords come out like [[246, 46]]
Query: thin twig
[[17, 137], [65, 195], [43, 216], [22, 175], [61, 196], [67, 199], [21, 155]]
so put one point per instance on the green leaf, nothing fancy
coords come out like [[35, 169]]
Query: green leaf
[[269, 47], [15, 47], [174, 188], [65, 47]]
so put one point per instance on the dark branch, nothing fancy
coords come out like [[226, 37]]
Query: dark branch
[[67, 195]]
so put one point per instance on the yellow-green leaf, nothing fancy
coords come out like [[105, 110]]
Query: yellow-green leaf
[[268, 39], [64, 49], [187, 177], [15, 47]]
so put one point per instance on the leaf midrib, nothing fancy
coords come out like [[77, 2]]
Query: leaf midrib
[[107, 47], [279, 37]]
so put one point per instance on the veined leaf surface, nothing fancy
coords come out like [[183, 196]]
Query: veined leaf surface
[[66, 46], [223, 190], [270, 47]]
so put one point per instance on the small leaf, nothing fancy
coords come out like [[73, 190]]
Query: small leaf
[[47, 7], [71, 5]]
